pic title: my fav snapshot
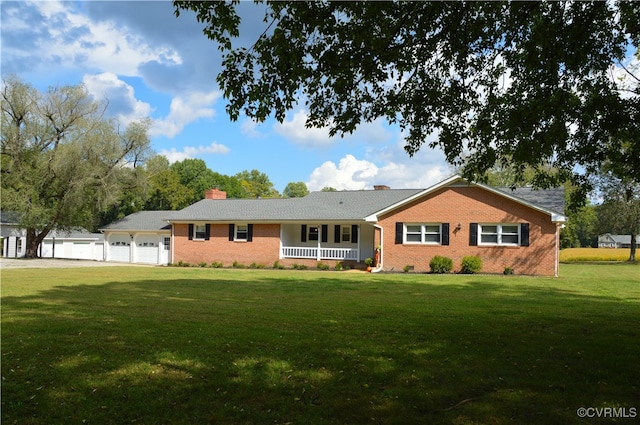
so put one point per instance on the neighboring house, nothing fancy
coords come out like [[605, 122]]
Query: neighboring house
[[76, 244], [616, 241], [517, 229], [142, 237]]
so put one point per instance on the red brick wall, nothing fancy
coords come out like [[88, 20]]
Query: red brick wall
[[467, 205], [263, 249]]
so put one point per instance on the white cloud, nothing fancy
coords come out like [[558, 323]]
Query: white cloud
[[72, 39], [349, 174], [184, 110], [120, 95], [296, 132], [173, 155]]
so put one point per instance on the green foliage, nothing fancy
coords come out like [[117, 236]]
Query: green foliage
[[471, 265], [322, 266], [440, 264], [237, 265], [368, 261], [507, 271], [527, 84], [217, 265], [295, 190], [406, 268], [297, 266], [256, 184], [63, 163], [278, 266], [338, 267]]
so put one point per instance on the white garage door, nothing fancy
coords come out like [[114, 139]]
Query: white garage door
[[146, 249], [119, 246], [82, 250]]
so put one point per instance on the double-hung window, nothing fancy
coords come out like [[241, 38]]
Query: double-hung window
[[423, 233], [199, 231], [499, 234], [242, 231]]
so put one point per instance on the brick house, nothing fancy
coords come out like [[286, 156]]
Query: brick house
[[404, 227]]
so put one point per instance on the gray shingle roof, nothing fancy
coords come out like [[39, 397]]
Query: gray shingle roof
[[142, 220], [343, 205], [338, 206], [550, 199]]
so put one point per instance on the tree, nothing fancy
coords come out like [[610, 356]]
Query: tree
[[295, 190], [256, 184], [522, 83], [62, 162], [166, 191], [620, 209]]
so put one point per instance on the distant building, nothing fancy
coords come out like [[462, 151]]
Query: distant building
[[616, 241]]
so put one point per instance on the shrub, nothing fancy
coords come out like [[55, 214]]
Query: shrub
[[217, 265], [297, 266], [440, 264], [368, 261], [322, 266], [471, 265], [202, 264], [277, 265], [508, 270], [338, 267], [255, 265], [407, 268], [237, 265]]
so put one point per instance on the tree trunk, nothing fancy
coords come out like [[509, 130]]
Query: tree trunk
[[632, 254], [34, 239]]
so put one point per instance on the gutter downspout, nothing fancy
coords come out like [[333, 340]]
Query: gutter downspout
[[379, 268]]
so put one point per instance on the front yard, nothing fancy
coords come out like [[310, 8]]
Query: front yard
[[184, 346]]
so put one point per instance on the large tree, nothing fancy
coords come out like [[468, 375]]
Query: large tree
[[62, 161], [538, 85]]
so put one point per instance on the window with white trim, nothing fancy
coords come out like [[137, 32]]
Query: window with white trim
[[199, 231], [499, 234], [346, 233], [430, 233], [242, 232]]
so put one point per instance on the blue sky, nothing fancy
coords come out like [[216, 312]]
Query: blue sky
[[147, 62]]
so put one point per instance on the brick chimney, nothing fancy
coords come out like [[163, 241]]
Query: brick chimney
[[215, 193], [381, 187]]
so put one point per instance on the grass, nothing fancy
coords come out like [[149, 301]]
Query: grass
[[184, 346], [572, 255]]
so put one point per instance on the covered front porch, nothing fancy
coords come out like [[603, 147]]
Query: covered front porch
[[327, 241]]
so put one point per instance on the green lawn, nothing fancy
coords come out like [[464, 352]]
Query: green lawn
[[196, 346]]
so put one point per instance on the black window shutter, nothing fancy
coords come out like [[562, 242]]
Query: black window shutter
[[337, 233], [473, 234], [191, 231], [232, 231], [354, 233], [325, 233], [445, 234], [303, 233], [249, 232], [524, 234], [399, 230], [207, 231]]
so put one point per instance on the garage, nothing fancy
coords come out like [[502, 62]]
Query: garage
[[142, 237], [119, 248], [146, 249]]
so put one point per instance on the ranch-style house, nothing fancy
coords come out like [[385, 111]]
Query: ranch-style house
[[455, 218]]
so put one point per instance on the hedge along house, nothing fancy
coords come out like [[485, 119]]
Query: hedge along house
[[516, 229]]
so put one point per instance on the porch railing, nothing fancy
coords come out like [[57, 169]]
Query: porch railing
[[320, 253]]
